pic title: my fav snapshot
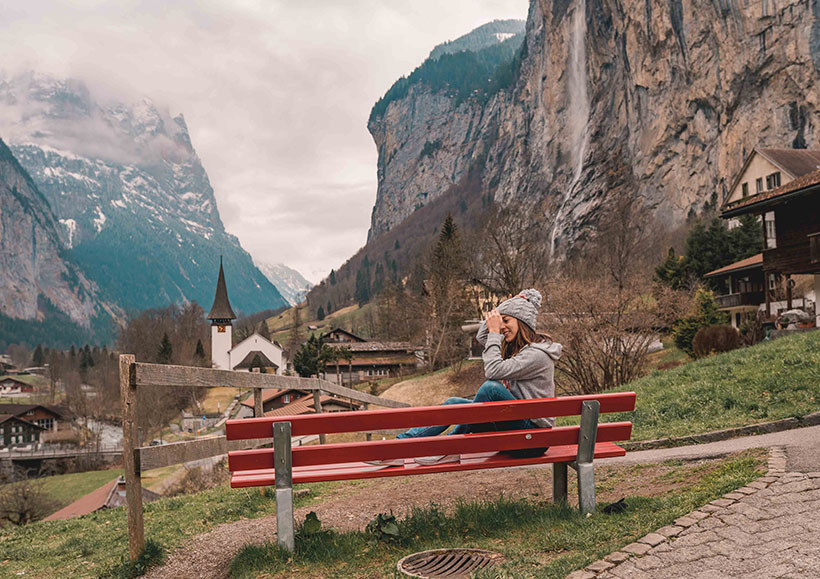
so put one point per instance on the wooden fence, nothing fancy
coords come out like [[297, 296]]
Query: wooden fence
[[137, 459]]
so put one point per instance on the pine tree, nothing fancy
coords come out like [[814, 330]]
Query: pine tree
[[332, 277], [38, 358], [672, 272], [165, 351], [320, 313], [199, 353]]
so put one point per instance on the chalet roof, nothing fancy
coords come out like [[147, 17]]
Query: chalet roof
[[269, 394], [351, 334], [796, 162], [6, 417], [221, 310], [19, 409], [105, 496], [378, 346], [27, 379], [248, 360], [304, 405], [756, 203], [744, 264]]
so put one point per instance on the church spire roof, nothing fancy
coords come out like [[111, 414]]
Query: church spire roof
[[221, 310]]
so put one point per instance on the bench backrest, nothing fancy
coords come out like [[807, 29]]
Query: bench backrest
[[391, 419]]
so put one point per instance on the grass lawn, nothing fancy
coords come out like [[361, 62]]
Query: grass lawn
[[218, 399], [92, 545], [64, 489], [769, 381], [537, 538]]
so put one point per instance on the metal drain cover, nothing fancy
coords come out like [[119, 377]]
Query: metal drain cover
[[447, 562]]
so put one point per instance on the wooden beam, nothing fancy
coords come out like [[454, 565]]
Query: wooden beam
[[180, 452], [133, 486], [167, 375], [258, 408]]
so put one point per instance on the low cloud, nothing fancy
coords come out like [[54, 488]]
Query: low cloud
[[276, 95]]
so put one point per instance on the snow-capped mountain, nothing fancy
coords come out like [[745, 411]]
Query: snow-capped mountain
[[136, 209], [290, 283]]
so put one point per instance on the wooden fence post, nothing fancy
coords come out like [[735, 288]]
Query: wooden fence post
[[283, 469], [258, 411], [133, 486], [317, 406]]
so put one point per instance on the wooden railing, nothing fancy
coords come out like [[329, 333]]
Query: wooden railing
[[137, 459], [740, 299]]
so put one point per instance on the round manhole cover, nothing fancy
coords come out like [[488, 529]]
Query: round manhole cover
[[447, 562]]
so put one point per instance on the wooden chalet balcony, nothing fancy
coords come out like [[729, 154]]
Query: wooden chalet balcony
[[741, 299]]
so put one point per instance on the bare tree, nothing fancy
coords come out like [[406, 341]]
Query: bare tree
[[24, 501], [511, 252]]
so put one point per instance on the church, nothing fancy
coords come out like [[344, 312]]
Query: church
[[226, 356]]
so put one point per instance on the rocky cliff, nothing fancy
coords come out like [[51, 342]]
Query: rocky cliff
[[676, 91], [37, 276], [134, 205]]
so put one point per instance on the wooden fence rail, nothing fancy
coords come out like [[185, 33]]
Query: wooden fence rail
[[137, 459]]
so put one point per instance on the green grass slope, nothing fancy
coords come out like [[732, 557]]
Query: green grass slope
[[769, 381]]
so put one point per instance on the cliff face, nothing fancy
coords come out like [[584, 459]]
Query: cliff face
[[134, 205], [676, 91], [32, 262]]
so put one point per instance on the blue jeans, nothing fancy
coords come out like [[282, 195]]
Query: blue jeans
[[490, 391]]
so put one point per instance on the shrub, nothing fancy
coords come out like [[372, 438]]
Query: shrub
[[711, 339], [705, 314], [752, 331]]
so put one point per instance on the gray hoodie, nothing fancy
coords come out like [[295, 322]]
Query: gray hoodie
[[529, 373]]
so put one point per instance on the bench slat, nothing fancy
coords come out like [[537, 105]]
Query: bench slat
[[369, 420], [241, 460], [351, 471]]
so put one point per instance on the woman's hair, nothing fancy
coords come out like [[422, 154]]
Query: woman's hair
[[524, 337]]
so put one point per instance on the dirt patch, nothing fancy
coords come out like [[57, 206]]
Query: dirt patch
[[350, 506]]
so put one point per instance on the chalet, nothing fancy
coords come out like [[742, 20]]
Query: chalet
[[108, 496], [224, 354], [768, 169], [43, 416], [790, 216], [288, 402], [16, 431], [16, 385], [5, 363], [371, 359]]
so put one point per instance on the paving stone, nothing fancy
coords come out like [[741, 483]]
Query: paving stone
[[636, 548], [813, 474], [685, 522], [722, 502], [710, 508], [757, 485], [767, 479], [599, 566], [617, 557], [698, 515], [581, 574], [746, 490], [652, 539], [670, 531], [648, 563], [733, 496]]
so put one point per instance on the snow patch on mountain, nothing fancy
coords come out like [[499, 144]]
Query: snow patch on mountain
[[291, 284]]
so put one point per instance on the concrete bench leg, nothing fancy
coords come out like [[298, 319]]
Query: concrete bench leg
[[586, 452], [559, 482], [283, 470]]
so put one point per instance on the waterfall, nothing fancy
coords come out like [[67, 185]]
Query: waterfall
[[578, 106]]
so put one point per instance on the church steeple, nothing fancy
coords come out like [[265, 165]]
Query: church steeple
[[221, 311]]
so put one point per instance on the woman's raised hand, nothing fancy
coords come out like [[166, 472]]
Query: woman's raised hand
[[494, 322]]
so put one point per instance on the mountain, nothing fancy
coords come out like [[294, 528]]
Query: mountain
[[135, 208], [666, 98], [484, 36], [290, 283], [40, 282]]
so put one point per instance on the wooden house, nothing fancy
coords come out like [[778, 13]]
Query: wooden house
[[742, 288], [15, 431], [16, 385], [44, 416], [790, 225]]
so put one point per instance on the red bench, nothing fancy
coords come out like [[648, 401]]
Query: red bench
[[574, 446]]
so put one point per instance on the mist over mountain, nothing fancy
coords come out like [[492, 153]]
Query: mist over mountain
[[133, 205], [290, 283]]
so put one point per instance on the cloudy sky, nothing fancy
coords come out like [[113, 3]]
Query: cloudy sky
[[276, 94]]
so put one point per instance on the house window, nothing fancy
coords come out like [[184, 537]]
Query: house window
[[772, 282], [47, 423], [771, 235], [745, 189], [759, 185], [286, 399], [773, 181]]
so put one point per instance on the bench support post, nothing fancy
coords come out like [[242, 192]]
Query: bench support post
[[283, 470], [317, 407], [559, 482], [586, 452]]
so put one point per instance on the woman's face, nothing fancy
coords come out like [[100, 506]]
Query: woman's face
[[509, 328]]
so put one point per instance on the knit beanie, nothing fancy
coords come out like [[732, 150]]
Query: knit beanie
[[523, 307]]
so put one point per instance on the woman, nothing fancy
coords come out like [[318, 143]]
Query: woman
[[518, 364]]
